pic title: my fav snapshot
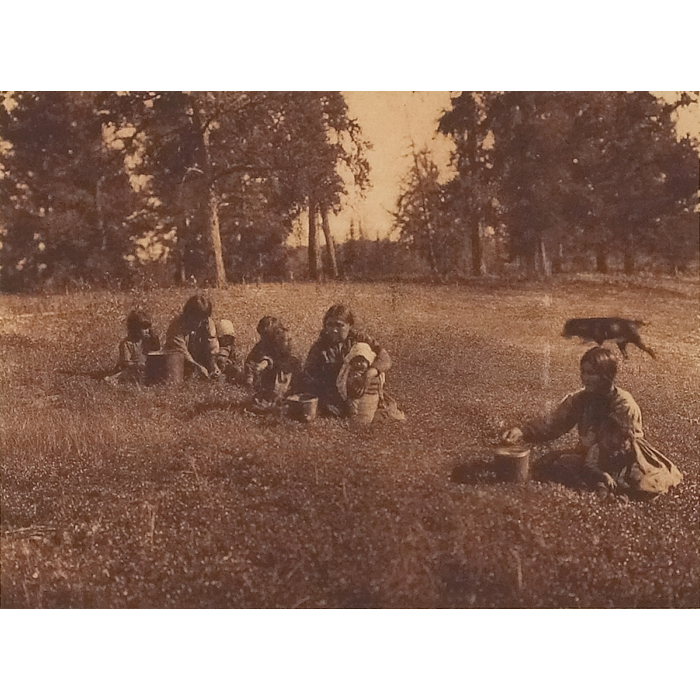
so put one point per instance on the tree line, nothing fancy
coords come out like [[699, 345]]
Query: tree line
[[102, 188], [548, 178], [206, 185]]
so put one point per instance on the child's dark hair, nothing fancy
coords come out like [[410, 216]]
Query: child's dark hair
[[197, 306], [601, 361], [275, 339], [269, 325], [136, 321], [339, 312]]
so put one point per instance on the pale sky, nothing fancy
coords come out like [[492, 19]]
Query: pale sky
[[391, 121]]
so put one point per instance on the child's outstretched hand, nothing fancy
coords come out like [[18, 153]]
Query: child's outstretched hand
[[512, 436]]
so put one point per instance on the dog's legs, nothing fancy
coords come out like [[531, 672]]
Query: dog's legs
[[646, 349], [622, 344]]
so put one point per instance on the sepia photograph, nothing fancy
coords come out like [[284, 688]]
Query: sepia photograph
[[365, 349], [424, 352]]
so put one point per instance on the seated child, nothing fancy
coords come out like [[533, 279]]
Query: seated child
[[612, 450], [271, 368], [140, 340], [226, 359], [356, 377], [326, 360], [361, 400], [193, 333]]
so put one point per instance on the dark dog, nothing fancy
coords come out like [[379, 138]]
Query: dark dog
[[621, 330]]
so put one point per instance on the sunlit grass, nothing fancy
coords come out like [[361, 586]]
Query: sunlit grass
[[120, 496]]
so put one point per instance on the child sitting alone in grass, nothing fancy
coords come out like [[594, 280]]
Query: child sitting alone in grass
[[271, 368], [226, 358], [612, 450], [193, 333], [327, 359], [140, 340]]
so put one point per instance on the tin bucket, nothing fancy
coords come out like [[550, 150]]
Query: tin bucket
[[513, 463], [302, 407], [166, 367]]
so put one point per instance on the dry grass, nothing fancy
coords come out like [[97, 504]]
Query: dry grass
[[116, 497]]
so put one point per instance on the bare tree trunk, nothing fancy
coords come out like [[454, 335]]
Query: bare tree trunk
[[330, 244], [314, 243], [100, 212], [214, 230], [212, 199], [558, 259], [477, 252], [546, 264], [475, 236], [215, 233], [181, 275]]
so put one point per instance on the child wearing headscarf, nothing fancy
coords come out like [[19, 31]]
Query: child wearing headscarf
[[226, 358], [193, 333], [361, 404], [327, 359], [352, 377], [140, 340], [271, 368], [612, 450]]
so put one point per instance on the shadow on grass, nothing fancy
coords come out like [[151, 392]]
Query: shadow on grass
[[476, 470], [97, 375], [483, 470], [202, 407]]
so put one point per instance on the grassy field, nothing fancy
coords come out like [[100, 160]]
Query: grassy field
[[174, 497]]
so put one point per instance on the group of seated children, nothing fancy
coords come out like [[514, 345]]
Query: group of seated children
[[345, 369]]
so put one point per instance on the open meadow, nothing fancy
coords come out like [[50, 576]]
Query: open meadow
[[175, 497]]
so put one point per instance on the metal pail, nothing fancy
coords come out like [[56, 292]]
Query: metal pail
[[302, 407], [165, 367], [513, 463]]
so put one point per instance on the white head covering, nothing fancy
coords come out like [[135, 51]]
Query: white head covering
[[224, 327], [357, 350]]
